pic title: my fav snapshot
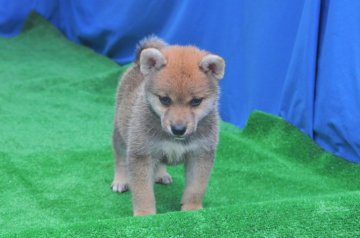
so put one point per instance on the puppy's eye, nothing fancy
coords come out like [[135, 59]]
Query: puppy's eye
[[195, 102], [166, 101]]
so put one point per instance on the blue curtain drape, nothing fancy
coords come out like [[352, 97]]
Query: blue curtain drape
[[299, 59]]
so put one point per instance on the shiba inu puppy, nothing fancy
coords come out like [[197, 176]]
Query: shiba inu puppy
[[166, 113]]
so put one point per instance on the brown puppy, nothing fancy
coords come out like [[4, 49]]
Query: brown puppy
[[166, 113]]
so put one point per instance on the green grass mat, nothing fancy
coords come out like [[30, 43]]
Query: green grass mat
[[56, 165]]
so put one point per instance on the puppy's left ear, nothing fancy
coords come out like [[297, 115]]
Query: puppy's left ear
[[213, 65]]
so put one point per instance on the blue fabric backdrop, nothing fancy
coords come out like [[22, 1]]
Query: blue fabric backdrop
[[299, 59]]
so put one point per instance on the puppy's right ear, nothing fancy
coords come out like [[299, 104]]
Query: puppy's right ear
[[151, 60]]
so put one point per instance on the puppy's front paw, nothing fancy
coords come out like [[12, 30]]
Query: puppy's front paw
[[144, 212], [191, 206], [118, 186], [164, 179]]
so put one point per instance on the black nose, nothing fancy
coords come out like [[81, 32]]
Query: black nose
[[178, 129]]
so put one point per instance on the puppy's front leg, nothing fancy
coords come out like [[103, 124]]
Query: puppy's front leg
[[141, 171], [198, 170]]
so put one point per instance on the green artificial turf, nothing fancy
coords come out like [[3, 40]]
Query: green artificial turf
[[56, 164]]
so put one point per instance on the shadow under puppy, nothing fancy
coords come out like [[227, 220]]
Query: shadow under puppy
[[166, 113]]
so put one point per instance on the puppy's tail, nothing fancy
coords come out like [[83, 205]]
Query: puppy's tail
[[151, 41]]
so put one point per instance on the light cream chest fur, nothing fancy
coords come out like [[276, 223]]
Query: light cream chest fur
[[173, 151]]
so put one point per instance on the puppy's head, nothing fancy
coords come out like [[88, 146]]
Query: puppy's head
[[181, 86]]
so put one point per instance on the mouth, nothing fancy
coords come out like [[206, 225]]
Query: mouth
[[180, 138]]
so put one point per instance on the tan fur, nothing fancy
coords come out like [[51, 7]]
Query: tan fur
[[143, 137]]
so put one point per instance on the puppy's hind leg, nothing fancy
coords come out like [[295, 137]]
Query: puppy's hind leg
[[161, 175], [120, 182]]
